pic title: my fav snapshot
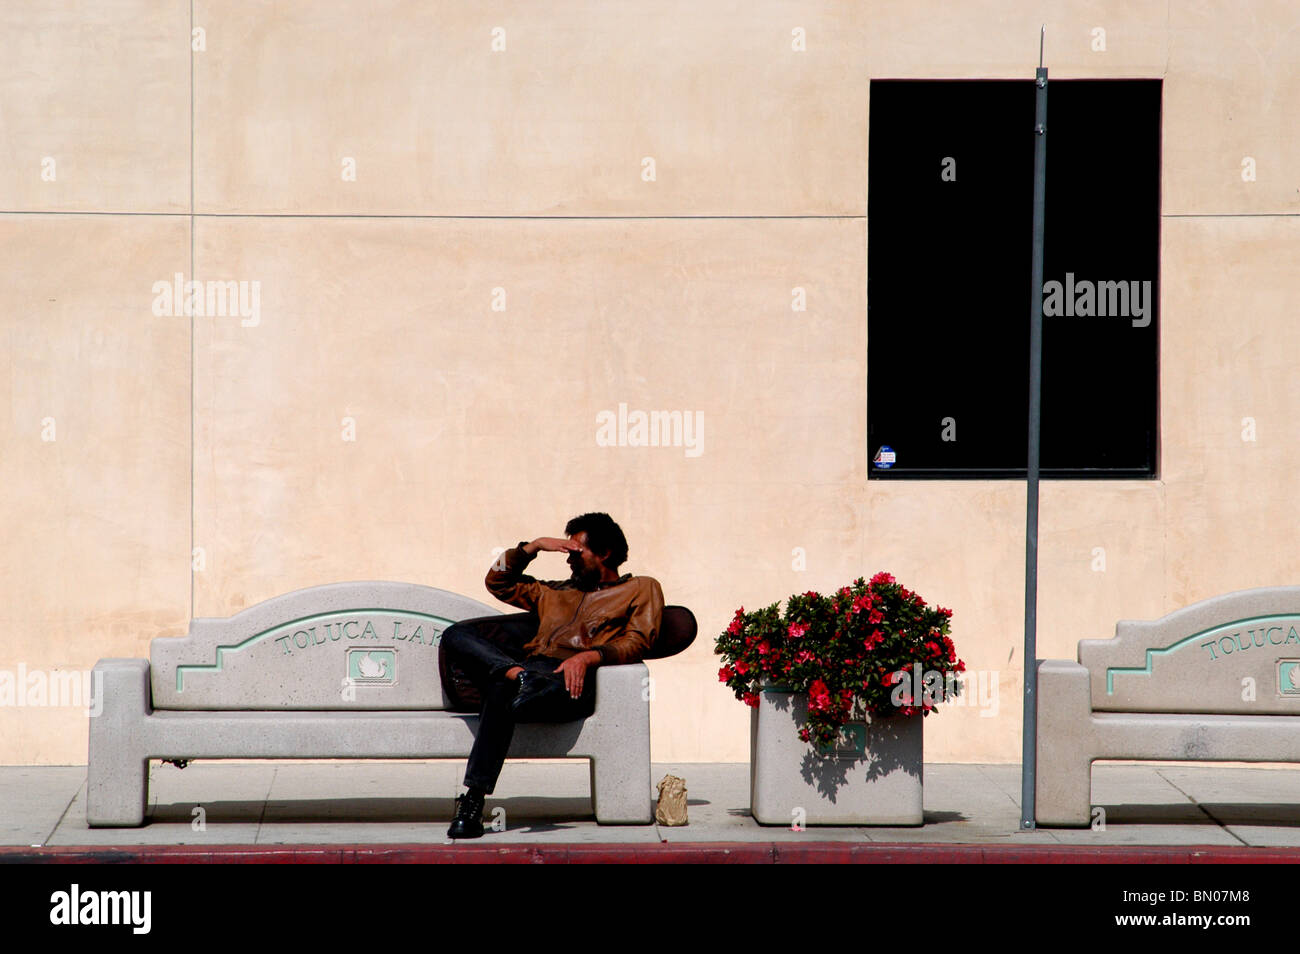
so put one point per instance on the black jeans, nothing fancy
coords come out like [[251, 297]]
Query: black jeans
[[486, 664]]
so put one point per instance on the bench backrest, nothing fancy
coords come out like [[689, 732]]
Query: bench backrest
[[1238, 653], [367, 645]]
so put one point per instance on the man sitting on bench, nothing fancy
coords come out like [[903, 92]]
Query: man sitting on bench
[[595, 617]]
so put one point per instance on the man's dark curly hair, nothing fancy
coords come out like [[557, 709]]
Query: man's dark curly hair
[[604, 537]]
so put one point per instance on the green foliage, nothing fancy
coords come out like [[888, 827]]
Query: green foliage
[[854, 653]]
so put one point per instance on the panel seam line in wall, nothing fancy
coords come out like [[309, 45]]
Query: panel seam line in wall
[[382, 215], [192, 379]]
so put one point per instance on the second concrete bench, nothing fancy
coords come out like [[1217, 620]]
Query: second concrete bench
[[1218, 681]]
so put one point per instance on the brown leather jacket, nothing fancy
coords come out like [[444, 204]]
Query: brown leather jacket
[[620, 620]]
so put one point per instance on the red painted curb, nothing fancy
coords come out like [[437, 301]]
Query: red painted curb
[[824, 852]]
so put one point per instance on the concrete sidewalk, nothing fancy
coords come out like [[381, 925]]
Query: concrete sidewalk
[[410, 803]]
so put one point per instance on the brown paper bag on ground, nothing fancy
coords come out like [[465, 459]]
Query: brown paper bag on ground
[[671, 810]]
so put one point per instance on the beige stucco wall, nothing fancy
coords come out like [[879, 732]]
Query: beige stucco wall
[[521, 170]]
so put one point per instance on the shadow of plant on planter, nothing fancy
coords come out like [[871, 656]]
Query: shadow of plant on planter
[[866, 751]]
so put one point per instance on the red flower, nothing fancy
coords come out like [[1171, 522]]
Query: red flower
[[750, 699], [882, 577], [725, 674], [742, 667], [797, 629], [819, 697]]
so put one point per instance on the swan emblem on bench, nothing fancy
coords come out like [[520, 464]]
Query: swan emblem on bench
[[372, 669]]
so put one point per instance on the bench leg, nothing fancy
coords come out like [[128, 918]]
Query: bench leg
[[1063, 787], [118, 798], [621, 791], [117, 777], [1064, 793]]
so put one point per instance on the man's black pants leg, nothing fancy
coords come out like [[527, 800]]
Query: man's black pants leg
[[486, 664], [486, 660], [497, 719]]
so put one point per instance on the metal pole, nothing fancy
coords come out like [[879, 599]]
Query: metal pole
[[1029, 735]]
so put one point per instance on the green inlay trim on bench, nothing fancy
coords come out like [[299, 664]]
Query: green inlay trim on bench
[[1151, 654], [293, 626]]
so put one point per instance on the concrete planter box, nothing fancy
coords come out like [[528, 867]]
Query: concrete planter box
[[873, 777]]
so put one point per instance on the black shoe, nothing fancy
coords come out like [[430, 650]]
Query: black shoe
[[535, 685], [468, 822]]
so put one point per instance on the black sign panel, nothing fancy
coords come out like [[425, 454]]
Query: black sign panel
[[949, 220]]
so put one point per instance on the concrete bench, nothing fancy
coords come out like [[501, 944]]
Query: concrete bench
[[1218, 681], [341, 671]]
